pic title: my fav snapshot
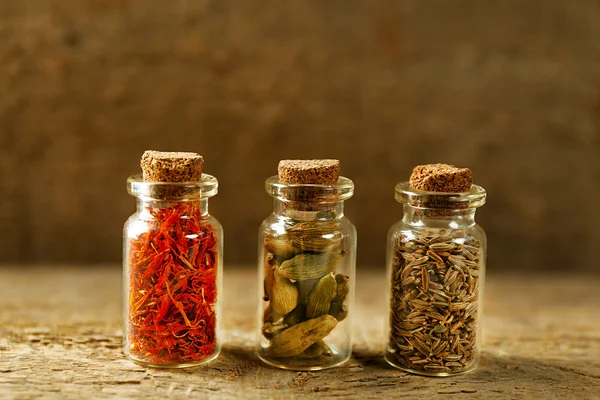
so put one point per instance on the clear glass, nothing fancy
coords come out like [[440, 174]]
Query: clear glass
[[172, 266], [307, 263], [436, 271]]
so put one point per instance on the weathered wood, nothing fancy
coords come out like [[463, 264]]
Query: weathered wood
[[60, 338]]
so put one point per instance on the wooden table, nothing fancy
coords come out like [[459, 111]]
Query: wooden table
[[60, 338]]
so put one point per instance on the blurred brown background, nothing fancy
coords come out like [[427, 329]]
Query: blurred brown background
[[509, 88]]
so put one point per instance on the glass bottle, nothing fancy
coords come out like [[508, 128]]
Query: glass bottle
[[436, 268], [172, 266], [307, 262]]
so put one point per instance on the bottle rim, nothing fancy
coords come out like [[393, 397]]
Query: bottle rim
[[340, 191], [203, 189], [474, 198]]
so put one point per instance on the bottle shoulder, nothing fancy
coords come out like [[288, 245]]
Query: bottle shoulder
[[412, 230], [276, 225]]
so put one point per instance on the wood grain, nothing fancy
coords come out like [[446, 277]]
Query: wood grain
[[60, 338]]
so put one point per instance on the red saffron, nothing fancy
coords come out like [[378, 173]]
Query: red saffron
[[173, 287]]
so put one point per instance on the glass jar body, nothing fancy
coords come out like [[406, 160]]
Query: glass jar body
[[307, 263], [172, 265], [436, 272]]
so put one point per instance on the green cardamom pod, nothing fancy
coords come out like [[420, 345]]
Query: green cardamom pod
[[338, 310], [310, 265], [284, 294], [315, 350], [304, 289], [267, 314], [320, 298], [326, 350], [271, 316], [317, 236], [280, 246], [296, 315], [268, 271], [270, 329], [293, 341], [343, 287]]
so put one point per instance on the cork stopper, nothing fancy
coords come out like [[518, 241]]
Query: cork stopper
[[441, 178], [316, 172], [161, 166]]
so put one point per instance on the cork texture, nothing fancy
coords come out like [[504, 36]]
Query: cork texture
[[509, 88], [441, 178], [316, 172], [161, 166]]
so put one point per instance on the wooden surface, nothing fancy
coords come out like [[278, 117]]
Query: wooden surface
[[60, 338]]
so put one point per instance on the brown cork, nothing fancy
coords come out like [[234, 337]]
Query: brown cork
[[441, 178], [161, 166], [316, 172]]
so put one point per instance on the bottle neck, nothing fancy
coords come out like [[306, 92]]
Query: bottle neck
[[308, 211], [439, 218], [145, 205]]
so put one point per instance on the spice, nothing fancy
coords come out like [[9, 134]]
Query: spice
[[173, 276], [172, 263], [304, 287], [437, 257], [434, 302], [306, 270]]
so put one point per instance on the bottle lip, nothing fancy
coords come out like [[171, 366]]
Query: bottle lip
[[205, 188], [342, 190], [474, 198]]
